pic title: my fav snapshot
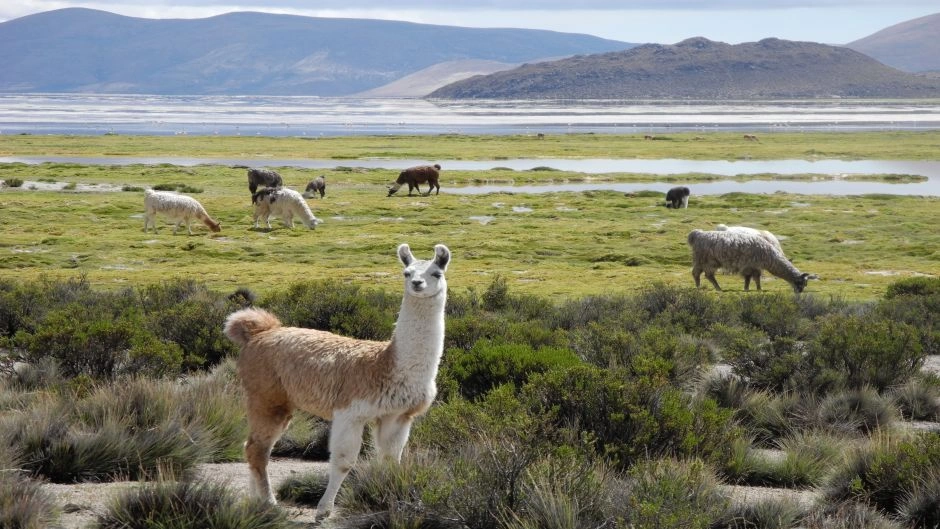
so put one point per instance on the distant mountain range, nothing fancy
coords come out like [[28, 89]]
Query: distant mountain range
[[698, 68], [912, 46], [84, 50]]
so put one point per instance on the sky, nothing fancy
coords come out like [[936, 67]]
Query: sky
[[636, 21]]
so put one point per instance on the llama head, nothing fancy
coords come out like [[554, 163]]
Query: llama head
[[424, 279], [393, 188], [800, 283]]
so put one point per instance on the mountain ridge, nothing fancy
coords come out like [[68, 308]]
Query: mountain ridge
[[246, 53], [698, 68]]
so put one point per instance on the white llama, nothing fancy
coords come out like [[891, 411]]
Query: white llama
[[284, 203], [178, 208], [351, 382]]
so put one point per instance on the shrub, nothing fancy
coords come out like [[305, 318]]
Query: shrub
[[776, 315], [922, 311], [338, 307], [674, 493], [14, 182], [24, 505], [188, 314], [914, 286], [306, 438], [848, 515], [100, 344], [855, 351], [630, 418], [885, 472], [488, 365], [189, 504]]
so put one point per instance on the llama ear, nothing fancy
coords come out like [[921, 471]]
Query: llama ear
[[405, 255], [441, 256]]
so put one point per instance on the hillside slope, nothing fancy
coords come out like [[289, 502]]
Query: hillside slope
[[912, 46], [84, 50], [698, 68]]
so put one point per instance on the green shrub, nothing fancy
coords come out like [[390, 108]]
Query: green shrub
[[920, 311], [917, 400], [171, 505], [99, 344], [688, 309], [488, 365], [630, 418], [776, 315], [674, 493], [24, 505], [187, 314], [855, 351], [886, 472], [14, 182], [330, 305], [306, 438], [914, 286]]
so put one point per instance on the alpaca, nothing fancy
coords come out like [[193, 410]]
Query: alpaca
[[349, 381], [770, 237], [317, 185], [263, 177], [178, 208], [678, 197], [742, 253], [282, 202], [413, 176]]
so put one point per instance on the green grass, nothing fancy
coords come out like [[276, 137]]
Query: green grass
[[709, 146], [569, 244]]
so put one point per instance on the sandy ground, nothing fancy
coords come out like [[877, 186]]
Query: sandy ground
[[82, 502]]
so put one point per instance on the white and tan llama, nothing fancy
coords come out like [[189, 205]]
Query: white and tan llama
[[177, 208], [348, 381], [284, 203]]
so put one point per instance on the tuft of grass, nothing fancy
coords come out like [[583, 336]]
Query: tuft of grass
[[917, 400], [765, 514], [14, 182], [856, 410], [180, 505], [24, 505], [921, 505]]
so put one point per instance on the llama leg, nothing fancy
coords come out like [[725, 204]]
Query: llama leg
[[747, 281], [757, 279], [189, 226], [345, 442], [710, 276], [176, 226], [391, 435], [697, 275], [266, 427]]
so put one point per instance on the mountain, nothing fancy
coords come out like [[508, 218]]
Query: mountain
[[85, 50], [423, 82], [912, 46], [698, 68]]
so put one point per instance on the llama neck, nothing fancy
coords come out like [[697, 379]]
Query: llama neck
[[784, 269], [418, 339]]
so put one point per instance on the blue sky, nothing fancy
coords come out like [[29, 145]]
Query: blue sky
[[660, 21]]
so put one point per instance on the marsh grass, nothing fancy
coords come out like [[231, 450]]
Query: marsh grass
[[182, 505], [565, 235]]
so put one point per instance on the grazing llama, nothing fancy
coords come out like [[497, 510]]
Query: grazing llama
[[282, 202], [351, 382], [178, 208]]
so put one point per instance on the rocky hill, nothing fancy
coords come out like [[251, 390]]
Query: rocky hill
[[698, 68], [84, 50], [912, 46]]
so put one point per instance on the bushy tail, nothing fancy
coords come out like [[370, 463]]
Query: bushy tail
[[242, 325]]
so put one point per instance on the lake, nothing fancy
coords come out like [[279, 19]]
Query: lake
[[315, 116]]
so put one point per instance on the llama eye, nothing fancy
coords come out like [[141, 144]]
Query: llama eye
[[407, 274], [437, 275]]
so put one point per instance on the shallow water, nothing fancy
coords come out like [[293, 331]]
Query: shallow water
[[832, 170], [314, 116]]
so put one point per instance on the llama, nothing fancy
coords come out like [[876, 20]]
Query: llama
[[413, 176], [317, 185], [744, 253], [770, 237], [177, 208], [263, 177], [348, 381], [751, 137], [678, 197], [282, 202]]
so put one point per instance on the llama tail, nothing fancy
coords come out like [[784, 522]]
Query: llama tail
[[241, 326]]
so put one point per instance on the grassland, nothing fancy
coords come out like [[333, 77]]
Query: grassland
[[555, 244]]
